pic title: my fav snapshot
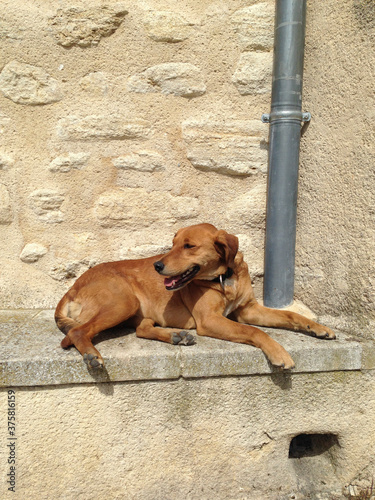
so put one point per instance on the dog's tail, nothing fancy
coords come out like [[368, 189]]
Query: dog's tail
[[65, 309]]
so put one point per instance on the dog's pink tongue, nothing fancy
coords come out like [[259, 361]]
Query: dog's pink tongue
[[169, 281]]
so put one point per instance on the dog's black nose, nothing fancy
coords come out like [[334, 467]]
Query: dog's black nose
[[159, 266]]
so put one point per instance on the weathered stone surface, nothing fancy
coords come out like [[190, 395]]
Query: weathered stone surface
[[179, 79], [368, 295], [62, 271], [36, 287], [6, 212], [143, 161], [85, 27], [133, 207], [253, 252], [26, 84], [71, 161], [233, 147], [9, 31], [250, 208], [6, 161], [254, 26], [4, 122], [253, 74], [97, 82], [33, 252], [46, 204], [142, 251], [102, 127], [166, 26]]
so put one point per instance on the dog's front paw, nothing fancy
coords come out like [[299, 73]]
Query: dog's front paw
[[320, 331], [280, 358], [182, 338], [93, 361]]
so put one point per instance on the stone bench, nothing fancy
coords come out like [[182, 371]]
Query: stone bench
[[209, 421]]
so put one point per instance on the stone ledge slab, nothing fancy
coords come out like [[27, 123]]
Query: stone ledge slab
[[30, 355]]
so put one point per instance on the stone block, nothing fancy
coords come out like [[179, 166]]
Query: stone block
[[46, 204], [68, 270], [6, 212], [85, 27], [102, 127], [165, 26], [232, 147], [179, 79], [254, 26], [213, 357], [69, 162], [253, 74], [32, 252], [143, 161], [30, 85], [97, 82], [135, 207]]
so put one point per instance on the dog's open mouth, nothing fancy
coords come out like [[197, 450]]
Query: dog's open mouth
[[176, 282]]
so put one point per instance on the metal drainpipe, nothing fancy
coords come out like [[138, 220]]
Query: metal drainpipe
[[285, 130]]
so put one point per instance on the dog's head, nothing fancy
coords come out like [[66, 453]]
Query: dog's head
[[198, 252]]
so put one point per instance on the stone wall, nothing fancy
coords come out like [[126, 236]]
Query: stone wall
[[122, 122], [226, 438]]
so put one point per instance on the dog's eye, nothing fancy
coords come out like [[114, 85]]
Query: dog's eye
[[187, 245]]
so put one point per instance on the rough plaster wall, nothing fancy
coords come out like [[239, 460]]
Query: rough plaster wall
[[335, 260], [224, 438], [123, 122]]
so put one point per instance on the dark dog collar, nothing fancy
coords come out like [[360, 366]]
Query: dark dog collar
[[221, 279]]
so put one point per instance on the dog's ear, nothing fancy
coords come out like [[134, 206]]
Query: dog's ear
[[226, 246]]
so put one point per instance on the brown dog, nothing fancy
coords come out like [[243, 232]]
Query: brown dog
[[202, 282]]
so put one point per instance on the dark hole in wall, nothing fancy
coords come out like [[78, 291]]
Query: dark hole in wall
[[311, 445]]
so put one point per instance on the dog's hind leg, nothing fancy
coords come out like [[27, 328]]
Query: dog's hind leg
[[96, 306], [81, 335], [146, 329], [66, 315], [107, 311]]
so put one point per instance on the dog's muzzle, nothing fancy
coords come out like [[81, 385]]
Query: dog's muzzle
[[177, 281]]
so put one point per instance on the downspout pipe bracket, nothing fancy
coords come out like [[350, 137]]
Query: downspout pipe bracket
[[286, 115]]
